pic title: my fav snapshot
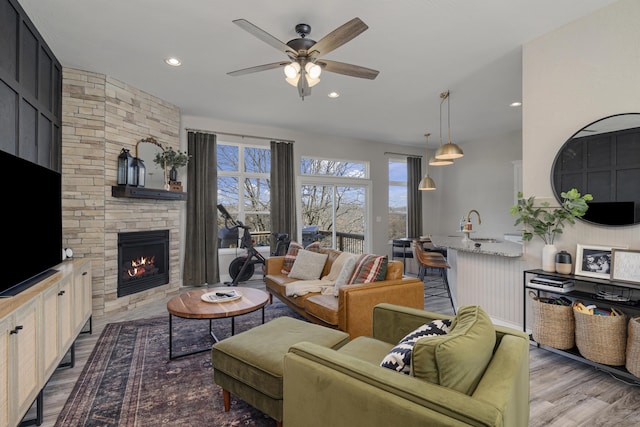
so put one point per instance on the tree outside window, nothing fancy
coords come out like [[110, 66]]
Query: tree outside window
[[244, 186], [397, 198]]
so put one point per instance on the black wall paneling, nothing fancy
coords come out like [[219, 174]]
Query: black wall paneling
[[30, 90]]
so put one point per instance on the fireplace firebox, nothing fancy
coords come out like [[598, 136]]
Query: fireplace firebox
[[143, 261]]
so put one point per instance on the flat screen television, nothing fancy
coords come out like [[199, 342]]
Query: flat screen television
[[32, 213]]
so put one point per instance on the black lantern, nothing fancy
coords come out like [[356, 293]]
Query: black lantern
[[125, 168], [139, 164]]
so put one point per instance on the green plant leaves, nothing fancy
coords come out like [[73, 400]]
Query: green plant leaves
[[545, 222]]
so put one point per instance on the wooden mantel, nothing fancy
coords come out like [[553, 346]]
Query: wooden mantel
[[146, 193]]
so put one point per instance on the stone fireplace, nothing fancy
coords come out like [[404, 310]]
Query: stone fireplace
[[143, 258], [100, 116]]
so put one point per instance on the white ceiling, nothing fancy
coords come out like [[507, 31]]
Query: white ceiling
[[421, 48]]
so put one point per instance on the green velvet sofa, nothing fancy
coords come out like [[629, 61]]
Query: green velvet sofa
[[347, 387]]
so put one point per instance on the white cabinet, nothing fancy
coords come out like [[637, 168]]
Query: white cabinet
[[37, 328]]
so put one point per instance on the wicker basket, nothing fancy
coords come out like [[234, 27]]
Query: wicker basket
[[633, 347], [553, 324], [602, 339]]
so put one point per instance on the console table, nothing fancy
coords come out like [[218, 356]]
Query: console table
[[584, 291]]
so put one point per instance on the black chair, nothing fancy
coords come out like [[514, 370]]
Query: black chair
[[401, 248]]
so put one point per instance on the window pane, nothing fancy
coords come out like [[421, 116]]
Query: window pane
[[259, 223], [257, 160], [228, 193], [256, 194], [397, 171], [325, 167], [227, 157]]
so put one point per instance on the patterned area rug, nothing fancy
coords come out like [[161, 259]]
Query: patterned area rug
[[129, 380]]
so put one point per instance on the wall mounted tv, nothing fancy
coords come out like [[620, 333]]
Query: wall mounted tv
[[32, 211]]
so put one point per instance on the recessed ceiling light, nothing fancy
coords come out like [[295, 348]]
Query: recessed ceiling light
[[333, 94], [174, 62], [516, 104]]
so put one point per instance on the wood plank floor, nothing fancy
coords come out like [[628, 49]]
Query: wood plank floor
[[564, 393]]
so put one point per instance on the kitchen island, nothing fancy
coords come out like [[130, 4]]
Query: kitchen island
[[488, 275]]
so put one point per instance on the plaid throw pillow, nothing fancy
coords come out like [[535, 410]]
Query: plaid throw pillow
[[313, 247], [290, 257], [369, 268], [399, 358]]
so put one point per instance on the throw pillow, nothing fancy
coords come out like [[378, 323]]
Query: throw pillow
[[369, 268], [345, 274], [336, 266], [314, 247], [399, 358], [458, 359], [290, 257], [308, 265]]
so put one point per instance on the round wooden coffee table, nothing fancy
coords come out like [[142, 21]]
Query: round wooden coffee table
[[191, 306]]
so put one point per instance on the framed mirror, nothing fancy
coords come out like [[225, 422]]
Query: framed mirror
[[603, 159], [146, 150]]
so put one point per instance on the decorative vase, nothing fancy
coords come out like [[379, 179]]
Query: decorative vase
[[173, 174], [549, 258], [563, 262]]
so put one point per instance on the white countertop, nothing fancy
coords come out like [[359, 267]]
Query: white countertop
[[501, 248]]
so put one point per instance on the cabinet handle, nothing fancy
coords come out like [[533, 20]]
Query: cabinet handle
[[16, 329], [61, 293]]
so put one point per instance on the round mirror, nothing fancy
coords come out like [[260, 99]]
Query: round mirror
[[603, 159], [146, 150]]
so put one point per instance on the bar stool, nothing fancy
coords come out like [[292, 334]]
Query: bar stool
[[436, 261], [401, 248]]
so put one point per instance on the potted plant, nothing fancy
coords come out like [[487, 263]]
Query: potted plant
[[547, 222], [173, 159]]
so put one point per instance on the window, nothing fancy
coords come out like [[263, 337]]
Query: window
[[334, 203], [244, 186], [397, 198]]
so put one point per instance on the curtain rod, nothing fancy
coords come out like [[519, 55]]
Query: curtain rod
[[240, 135], [402, 154]]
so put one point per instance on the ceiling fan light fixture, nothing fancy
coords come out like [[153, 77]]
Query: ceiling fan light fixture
[[293, 81], [313, 70], [291, 70], [312, 82]]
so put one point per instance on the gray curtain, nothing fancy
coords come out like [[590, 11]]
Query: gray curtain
[[414, 197], [283, 190], [201, 240]]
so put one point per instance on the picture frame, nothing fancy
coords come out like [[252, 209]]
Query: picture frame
[[594, 260], [625, 265]]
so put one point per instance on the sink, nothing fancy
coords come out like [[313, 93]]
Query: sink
[[485, 240]]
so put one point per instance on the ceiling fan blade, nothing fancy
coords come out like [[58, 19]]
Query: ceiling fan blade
[[348, 69], [337, 37], [257, 68], [264, 36]]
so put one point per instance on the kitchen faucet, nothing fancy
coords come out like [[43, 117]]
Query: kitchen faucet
[[469, 217]]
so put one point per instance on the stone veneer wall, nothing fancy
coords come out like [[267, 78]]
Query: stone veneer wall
[[102, 115]]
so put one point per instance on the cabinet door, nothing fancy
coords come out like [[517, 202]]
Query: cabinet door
[[50, 331], [65, 312], [23, 363], [82, 295], [4, 372]]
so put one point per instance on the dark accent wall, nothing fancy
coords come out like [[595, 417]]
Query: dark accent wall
[[30, 90]]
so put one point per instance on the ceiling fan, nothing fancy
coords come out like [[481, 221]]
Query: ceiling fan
[[305, 55]]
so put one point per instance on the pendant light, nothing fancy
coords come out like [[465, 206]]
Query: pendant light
[[427, 183], [433, 161], [448, 150]]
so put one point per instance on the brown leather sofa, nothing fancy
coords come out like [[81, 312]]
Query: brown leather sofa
[[352, 310]]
